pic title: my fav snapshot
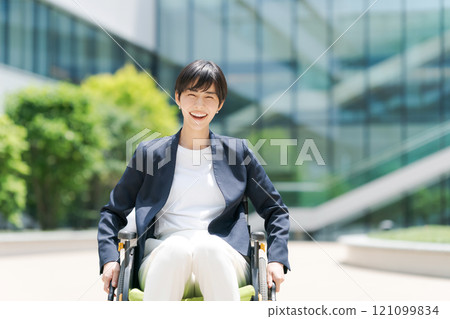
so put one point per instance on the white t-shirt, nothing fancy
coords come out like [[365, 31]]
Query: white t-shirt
[[194, 199]]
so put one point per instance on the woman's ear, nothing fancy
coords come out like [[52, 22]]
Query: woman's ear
[[220, 106], [177, 99]]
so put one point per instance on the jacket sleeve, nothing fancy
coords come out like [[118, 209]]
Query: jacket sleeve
[[113, 216], [269, 205]]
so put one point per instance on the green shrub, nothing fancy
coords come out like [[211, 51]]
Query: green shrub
[[129, 102], [77, 138], [12, 170], [134, 101], [66, 145]]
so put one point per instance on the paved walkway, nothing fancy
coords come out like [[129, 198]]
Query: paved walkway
[[67, 269]]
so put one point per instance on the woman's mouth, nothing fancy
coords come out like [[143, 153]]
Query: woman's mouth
[[198, 115]]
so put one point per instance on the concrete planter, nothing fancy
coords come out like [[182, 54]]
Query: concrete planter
[[408, 257]]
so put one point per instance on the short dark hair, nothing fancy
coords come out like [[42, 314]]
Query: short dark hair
[[202, 74]]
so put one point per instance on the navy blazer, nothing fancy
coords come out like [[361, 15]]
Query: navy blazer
[[147, 180]]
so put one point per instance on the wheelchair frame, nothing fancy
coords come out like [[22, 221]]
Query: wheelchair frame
[[258, 264]]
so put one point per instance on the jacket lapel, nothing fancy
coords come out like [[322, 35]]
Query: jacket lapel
[[165, 171], [222, 171]]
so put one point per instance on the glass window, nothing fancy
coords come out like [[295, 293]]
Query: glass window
[[133, 51], [4, 13], [241, 49], [207, 42], [310, 42], [446, 64], [174, 30], [28, 38], [348, 144], [167, 75], [92, 49], [64, 50], [385, 140], [104, 56], [53, 45], [276, 49], [83, 51], [117, 55], [51, 42], [140, 55], [384, 30], [385, 68], [16, 33], [422, 61], [41, 65], [347, 61], [242, 23], [144, 58]]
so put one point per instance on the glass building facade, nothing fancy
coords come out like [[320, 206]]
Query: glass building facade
[[43, 39], [366, 81]]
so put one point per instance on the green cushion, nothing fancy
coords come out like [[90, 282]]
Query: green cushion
[[246, 293]]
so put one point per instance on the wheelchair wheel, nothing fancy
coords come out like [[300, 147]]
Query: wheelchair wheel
[[263, 290]]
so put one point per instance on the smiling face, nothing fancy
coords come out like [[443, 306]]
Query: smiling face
[[198, 106]]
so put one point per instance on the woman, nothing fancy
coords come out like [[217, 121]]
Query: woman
[[187, 191]]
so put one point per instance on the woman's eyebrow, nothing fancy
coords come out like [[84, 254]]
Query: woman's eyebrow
[[207, 92]]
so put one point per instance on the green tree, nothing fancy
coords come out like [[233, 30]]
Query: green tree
[[135, 99], [65, 147], [12, 170], [129, 102]]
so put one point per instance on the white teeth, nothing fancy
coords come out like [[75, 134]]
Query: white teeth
[[198, 115]]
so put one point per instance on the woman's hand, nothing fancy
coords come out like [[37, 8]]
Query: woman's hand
[[275, 272], [110, 272]]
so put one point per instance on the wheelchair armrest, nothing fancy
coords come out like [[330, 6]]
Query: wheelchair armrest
[[126, 235], [259, 236]]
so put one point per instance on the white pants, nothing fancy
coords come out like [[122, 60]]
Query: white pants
[[189, 262]]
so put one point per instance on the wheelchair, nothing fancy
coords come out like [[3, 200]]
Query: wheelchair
[[256, 290]]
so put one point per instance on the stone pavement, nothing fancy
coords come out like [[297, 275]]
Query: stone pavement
[[65, 267]]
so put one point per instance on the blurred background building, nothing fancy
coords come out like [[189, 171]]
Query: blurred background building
[[371, 90]]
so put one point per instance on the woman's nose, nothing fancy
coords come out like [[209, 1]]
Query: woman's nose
[[199, 102]]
